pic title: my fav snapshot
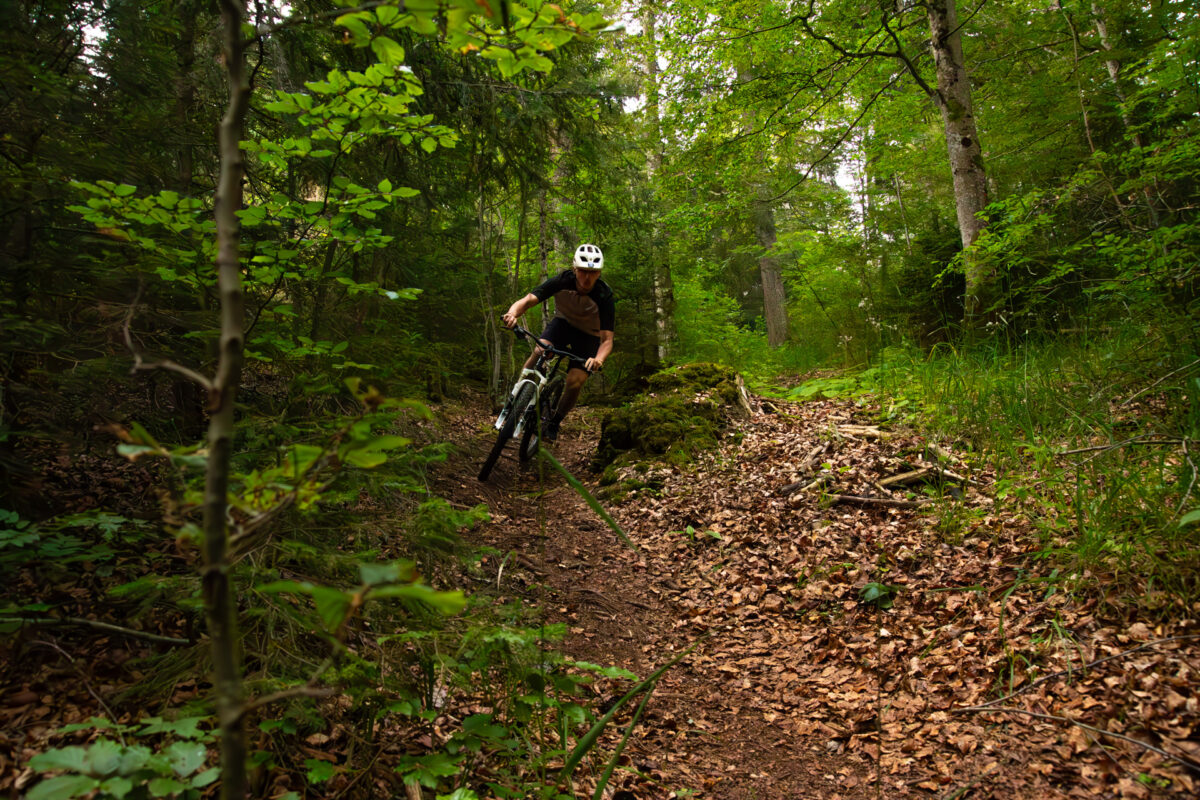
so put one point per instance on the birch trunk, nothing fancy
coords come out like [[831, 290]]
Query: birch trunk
[[664, 290], [219, 598], [953, 98]]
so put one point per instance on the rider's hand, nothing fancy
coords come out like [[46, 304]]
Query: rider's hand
[[509, 319], [593, 365]]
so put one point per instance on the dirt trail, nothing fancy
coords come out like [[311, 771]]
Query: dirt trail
[[699, 731], [805, 687]]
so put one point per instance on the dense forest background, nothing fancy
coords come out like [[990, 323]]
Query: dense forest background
[[247, 252]]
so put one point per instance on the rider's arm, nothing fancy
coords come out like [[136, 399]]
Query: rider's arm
[[606, 346], [518, 308]]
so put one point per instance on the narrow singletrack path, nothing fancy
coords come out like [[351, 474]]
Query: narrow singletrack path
[[843, 640]]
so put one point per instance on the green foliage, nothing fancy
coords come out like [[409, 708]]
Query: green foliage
[[169, 765], [1116, 506]]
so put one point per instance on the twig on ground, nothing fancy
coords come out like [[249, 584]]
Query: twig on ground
[[87, 684], [856, 500], [1053, 717], [1160, 380], [1086, 667], [104, 626], [1140, 439]]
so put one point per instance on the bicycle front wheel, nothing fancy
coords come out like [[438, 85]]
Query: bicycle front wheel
[[523, 400], [547, 405]]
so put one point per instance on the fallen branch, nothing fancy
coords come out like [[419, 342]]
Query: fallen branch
[[1084, 668], [984, 710], [1160, 380], [862, 431], [1140, 439], [854, 499], [91, 623]]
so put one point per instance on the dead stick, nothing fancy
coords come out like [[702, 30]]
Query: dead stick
[[1103, 447], [854, 499], [104, 626], [1086, 667], [1093, 729]]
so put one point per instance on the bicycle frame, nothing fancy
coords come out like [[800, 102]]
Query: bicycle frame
[[540, 374]]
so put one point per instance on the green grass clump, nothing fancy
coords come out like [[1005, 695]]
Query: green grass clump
[[1094, 438]]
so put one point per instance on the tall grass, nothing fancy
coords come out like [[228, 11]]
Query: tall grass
[[1094, 437]]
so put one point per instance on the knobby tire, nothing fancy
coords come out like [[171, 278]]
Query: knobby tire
[[532, 436], [522, 401]]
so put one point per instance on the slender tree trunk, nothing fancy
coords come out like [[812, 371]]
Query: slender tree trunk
[[660, 252], [219, 598], [966, 156], [763, 216], [774, 297], [1114, 73]]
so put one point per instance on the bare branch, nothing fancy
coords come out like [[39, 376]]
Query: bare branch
[[139, 363], [1084, 668], [91, 623]]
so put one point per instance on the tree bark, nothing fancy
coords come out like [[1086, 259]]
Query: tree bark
[[1114, 73], [953, 98], [664, 289], [774, 296], [219, 599]]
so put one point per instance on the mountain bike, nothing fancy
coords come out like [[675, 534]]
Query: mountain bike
[[533, 398]]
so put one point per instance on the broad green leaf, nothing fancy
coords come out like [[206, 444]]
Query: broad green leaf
[[319, 771], [332, 605], [104, 757], [387, 50], [1190, 518], [165, 787], [63, 787], [73, 759], [444, 602], [117, 787], [186, 757]]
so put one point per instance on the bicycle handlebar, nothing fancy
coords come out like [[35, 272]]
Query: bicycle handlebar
[[522, 333]]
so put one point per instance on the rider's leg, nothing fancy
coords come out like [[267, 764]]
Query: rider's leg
[[574, 383]]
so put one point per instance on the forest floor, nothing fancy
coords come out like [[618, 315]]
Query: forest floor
[[842, 650], [848, 647]]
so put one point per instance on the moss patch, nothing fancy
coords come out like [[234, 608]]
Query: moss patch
[[684, 410]]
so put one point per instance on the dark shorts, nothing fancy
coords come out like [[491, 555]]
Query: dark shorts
[[566, 336]]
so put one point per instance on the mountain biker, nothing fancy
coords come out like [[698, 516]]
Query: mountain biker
[[582, 324]]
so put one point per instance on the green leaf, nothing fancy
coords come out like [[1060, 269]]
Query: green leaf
[[206, 777], [162, 787], [319, 771], [63, 787], [385, 186], [73, 759], [429, 144], [117, 787], [104, 756], [186, 757], [444, 602], [124, 190], [387, 50], [332, 605], [1190, 518]]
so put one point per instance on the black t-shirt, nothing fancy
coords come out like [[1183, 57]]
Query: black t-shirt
[[591, 313]]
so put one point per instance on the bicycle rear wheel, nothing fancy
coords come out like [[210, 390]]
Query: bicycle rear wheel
[[523, 400], [531, 438]]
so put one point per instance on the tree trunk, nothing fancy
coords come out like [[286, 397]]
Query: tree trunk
[[219, 598], [953, 98], [660, 258], [774, 297], [1114, 72]]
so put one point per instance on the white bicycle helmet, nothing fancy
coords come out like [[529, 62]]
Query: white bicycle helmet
[[588, 256]]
